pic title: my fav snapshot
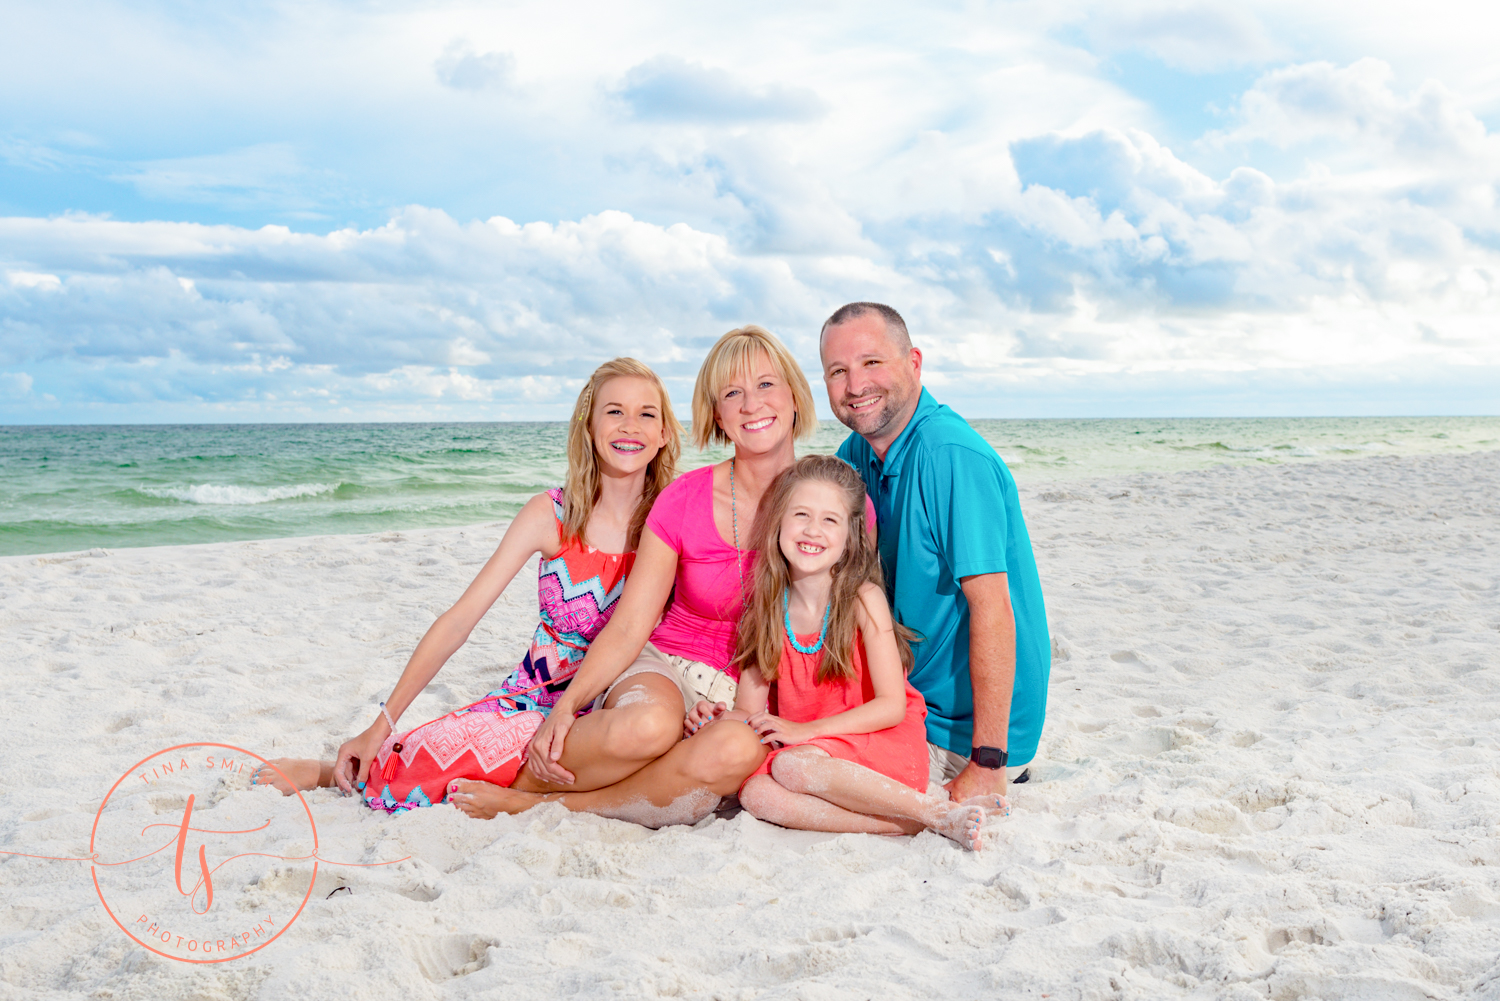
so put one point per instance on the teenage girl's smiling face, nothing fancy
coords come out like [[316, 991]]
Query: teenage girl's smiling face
[[815, 528], [627, 424], [756, 408]]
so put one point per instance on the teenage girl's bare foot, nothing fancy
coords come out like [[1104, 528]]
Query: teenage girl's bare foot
[[483, 800], [303, 773], [990, 803], [961, 823]]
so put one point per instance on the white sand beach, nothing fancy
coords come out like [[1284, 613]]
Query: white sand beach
[[1271, 768]]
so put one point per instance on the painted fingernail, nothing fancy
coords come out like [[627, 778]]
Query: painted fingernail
[[360, 786]]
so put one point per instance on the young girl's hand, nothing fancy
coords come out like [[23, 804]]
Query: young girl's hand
[[702, 713], [778, 732]]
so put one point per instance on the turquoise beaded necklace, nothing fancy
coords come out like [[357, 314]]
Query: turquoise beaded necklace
[[786, 618]]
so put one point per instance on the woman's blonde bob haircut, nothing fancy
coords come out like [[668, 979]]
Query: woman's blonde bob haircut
[[733, 355], [582, 488]]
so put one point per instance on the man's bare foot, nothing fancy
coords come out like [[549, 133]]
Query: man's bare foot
[[483, 800], [990, 803], [291, 774], [961, 823]]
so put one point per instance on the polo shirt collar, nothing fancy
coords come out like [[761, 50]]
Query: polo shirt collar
[[926, 406]]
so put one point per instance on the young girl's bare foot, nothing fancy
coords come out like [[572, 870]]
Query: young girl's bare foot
[[961, 823], [291, 774], [990, 803], [483, 800]]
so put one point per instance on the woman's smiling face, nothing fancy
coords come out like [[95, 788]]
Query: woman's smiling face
[[815, 528], [627, 424], [755, 408]]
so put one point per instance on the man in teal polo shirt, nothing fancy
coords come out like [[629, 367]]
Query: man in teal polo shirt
[[958, 562]]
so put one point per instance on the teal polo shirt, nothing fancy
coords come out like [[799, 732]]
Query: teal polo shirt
[[946, 508]]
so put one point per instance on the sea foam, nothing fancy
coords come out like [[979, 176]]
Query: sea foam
[[216, 493]]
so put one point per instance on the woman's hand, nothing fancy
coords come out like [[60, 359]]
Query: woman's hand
[[702, 714], [547, 747], [778, 732], [351, 769]]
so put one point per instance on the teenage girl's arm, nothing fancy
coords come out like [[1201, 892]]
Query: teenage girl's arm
[[534, 530], [882, 660], [613, 650]]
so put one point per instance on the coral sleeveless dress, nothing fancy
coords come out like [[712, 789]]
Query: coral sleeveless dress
[[577, 591], [899, 752]]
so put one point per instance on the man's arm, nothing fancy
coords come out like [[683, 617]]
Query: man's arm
[[992, 672]]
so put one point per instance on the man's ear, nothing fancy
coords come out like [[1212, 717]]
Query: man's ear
[[916, 361]]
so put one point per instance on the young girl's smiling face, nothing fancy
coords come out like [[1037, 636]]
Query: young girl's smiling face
[[627, 424], [815, 528]]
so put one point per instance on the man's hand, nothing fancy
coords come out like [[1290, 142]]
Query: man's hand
[[975, 781]]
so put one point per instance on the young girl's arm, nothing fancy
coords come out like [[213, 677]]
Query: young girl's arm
[[882, 660], [534, 530]]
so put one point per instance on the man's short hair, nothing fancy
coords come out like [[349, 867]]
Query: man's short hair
[[894, 325]]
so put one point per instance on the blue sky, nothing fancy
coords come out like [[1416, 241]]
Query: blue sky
[[362, 211]]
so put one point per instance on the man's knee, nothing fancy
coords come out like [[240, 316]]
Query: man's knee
[[726, 752]]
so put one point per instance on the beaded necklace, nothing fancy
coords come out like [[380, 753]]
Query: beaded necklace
[[786, 618], [734, 519]]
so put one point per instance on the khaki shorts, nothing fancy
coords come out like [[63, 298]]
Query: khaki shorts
[[695, 680], [943, 767]]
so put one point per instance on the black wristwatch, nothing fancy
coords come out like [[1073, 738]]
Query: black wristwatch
[[988, 757]]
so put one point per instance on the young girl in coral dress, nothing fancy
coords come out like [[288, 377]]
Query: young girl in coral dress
[[623, 444], [818, 643]]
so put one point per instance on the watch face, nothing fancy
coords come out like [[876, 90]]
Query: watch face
[[988, 757]]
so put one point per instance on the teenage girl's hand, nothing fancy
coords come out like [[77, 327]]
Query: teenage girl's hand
[[778, 732], [351, 768], [547, 747], [701, 714]]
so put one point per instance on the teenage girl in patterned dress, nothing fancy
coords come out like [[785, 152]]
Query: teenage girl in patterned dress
[[623, 444], [850, 745]]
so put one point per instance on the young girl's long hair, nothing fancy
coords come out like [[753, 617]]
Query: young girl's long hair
[[762, 629], [581, 490]]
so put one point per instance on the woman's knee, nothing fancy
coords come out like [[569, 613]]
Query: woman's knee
[[642, 732], [724, 754]]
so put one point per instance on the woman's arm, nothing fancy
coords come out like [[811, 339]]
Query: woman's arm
[[534, 530], [882, 660], [614, 649]]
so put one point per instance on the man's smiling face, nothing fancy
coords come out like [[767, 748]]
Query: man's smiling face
[[873, 383]]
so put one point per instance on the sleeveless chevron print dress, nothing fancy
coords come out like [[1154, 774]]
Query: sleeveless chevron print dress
[[577, 591]]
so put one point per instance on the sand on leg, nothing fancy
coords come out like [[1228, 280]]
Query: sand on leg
[[681, 787], [812, 771], [766, 799]]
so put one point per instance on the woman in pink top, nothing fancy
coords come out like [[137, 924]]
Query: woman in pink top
[[752, 394]]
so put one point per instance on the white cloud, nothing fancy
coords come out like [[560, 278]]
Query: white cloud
[[461, 68]]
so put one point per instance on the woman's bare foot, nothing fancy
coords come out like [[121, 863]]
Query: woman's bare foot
[[990, 803], [291, 774], [961, 823], [483, 800]]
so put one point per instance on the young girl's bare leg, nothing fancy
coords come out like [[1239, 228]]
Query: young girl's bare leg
[[291, 774], [681, 787], [768, 800], [812, 771]]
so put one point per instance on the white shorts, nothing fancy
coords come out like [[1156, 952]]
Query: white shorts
[[694, 679], [943, 767]]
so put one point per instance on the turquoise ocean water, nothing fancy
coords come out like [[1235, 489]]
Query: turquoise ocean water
[[74, 487]]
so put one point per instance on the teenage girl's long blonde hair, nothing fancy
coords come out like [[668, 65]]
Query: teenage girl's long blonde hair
[[762, 630], [581, 491]]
